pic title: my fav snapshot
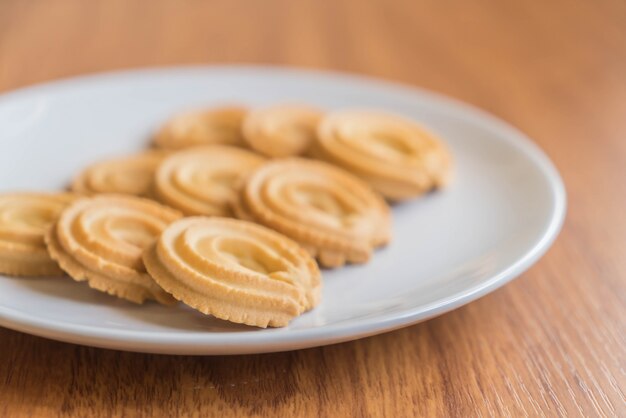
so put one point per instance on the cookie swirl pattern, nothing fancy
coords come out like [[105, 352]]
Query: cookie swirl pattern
[[24, 220], [235, 270], [101, 240], [204, 180], [331, 213], [281, 131], [398, 157], [131, 175], [221, 125]]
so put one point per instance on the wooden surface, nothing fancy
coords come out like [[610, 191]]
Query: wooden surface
[[552, 343]]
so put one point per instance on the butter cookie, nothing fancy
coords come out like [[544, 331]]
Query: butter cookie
[[24, 219], [396, 156], [101, 240], [235, 270], [334, 215], [131, 175], [221, 125], [281, 131], [204, 180]]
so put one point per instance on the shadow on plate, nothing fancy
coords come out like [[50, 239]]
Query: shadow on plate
[[163, 318]]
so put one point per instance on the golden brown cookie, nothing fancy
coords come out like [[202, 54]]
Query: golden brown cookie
[[132, 174], [101, 239], [204, 180], [24, 219], [398, 157], [334, 215], [235, 270], [220, 125], [281, 131]]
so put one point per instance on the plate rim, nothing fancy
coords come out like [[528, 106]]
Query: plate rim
[[245, 342]]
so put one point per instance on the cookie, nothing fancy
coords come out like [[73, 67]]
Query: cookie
[[24, 219], [396, 156], [101, 240], [132, 175], [281, 131], [334, 215], [234, 270], [220, 125], [204, 180]]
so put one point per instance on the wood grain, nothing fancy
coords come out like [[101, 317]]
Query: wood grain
[[552, 343]]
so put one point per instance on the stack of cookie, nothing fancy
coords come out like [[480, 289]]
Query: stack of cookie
[[232, 210]]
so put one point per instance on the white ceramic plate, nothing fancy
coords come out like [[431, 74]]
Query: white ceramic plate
[[499, 216]]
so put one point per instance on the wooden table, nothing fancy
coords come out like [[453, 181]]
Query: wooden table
[[551, 343]]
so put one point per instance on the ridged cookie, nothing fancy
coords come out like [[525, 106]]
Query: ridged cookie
[[101, 240], [334, 215], [235, 270], [220, 125], [396, 156], [204, 180], [281, 131], [24, 219], [132, 174]]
